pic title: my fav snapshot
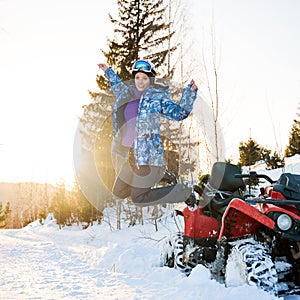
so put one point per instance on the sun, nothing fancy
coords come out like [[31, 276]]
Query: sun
[[27, 165]]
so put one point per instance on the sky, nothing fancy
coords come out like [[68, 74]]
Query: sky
[[48, 62], [259, 80]]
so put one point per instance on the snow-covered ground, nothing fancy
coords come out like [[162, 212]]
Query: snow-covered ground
[[45, 262], [292, 165]]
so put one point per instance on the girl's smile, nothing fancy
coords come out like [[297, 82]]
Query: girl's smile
[[142, 81]]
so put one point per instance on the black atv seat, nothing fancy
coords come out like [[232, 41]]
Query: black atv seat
[[289, 186], [223, 177]]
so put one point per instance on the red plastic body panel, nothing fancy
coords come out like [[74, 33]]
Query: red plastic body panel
[[241, 218], [276, 195], [279, 196], [198, 225], [287, 209]]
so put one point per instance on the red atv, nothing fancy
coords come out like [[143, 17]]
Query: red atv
[[241, 239]]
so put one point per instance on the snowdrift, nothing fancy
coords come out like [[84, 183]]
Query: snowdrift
[[41, 261]]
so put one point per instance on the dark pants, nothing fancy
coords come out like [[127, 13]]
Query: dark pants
[[138, 182]]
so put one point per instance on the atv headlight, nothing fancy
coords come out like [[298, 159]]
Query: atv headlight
[[284, 222]]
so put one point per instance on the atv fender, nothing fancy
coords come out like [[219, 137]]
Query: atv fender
[[241, 218], [198, 225], [268, 208]]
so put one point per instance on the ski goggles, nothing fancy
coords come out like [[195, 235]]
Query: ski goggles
[[144, 66]]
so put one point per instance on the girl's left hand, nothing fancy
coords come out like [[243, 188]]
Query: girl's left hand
[[193, 85]]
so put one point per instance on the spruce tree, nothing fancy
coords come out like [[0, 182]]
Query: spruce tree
[[250, 152], [141, 31], [60, 205], [294, 139], [4, 213], [82, 209], [272, 160]]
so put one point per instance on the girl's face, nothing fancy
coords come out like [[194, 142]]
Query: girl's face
[[142, 81]]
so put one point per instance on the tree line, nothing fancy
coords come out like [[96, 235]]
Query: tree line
[[251, 151], [30, 203]]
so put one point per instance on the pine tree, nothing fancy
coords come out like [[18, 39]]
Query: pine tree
[[141, 31], [96, 134], [4, 213], [60, 205], [250, 152], [294, 139], [273, 161], [82, 209]]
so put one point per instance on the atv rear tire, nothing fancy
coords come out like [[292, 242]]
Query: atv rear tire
[[167, 252], [250, 262], [181, 262], [174, 256]]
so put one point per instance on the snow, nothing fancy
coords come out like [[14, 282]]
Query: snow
[[42, 261], [292, 165]]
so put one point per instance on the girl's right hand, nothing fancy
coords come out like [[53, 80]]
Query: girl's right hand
[[103, 67]]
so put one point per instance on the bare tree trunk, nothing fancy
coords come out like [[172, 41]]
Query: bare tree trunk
[[216, 110], [118, 206], [169, 42], [213, 90], [155, 215]]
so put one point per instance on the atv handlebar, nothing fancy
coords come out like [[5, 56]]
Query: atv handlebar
[[273, 201], [253, 175]]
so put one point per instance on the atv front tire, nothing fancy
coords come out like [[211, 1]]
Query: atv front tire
[[250, 262]]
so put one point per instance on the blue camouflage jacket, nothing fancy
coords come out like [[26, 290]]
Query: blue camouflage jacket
[[154, 103]]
